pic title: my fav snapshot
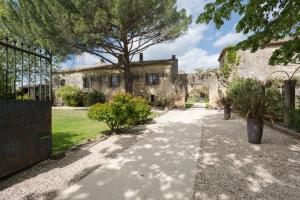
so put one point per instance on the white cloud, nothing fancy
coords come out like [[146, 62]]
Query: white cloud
[[186, 49], [197, 58], [193, 7], [229, 39], [178, 47]]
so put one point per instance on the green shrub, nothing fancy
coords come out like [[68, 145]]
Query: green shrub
[[104, 113], [248, 98], [142, 110], [124, 110], [92, 98], [71, 95], [161, 103], [274, 102]]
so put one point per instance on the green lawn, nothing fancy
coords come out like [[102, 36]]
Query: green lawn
[[72, 127]]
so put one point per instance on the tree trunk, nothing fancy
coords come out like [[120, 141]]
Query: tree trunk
[[127, 68], [289, 102], [128, 79]]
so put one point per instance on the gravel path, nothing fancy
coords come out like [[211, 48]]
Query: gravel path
[[45, 180], [230, 168]]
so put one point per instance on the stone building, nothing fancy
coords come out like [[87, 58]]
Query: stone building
[[156, 80], [256, 65], [249, 65], [200, 83]]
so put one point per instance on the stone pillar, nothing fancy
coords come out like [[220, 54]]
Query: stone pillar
[[289, 102]]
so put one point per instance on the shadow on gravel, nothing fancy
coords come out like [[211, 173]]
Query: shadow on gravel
[[72, 157], [230, 168]]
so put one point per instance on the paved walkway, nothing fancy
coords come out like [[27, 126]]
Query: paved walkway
[[161, 166]]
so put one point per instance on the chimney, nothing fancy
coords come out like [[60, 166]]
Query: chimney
[[141, 57], [173, 57]]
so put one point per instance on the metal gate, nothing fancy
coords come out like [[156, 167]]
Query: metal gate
[[25, 106]]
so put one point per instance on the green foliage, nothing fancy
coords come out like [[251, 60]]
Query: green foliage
[[226, 70], [142, 110], [93, 97], [231, 60], [224, 100], [71, 95], [73, 27], [161, 103], [105, 113], [248, 98], [274, 101], [124, 110], [265, 20]]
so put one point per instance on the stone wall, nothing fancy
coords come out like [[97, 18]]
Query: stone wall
[[256, 65], [170, 88], [196, 81]]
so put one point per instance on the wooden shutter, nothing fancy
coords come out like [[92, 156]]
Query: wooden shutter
[[158, 79], [119, 80], [146, 79]]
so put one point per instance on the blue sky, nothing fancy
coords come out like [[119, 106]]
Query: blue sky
[[199, 47]]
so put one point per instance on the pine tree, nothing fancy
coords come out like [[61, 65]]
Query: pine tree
[[116, 29]]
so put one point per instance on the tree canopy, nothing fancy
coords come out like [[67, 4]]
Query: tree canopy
[[98, 27], [265, 21], [110, 29]]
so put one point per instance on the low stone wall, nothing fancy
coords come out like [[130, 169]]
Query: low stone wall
[[25, 134]]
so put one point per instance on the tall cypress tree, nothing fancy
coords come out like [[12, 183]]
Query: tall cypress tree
[[116, 29]]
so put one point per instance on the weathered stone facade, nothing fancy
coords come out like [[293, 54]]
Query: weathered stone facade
[[256, 65], [197, 82], [167, 84]]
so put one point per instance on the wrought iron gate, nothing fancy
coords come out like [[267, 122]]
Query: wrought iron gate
[[25, 106]]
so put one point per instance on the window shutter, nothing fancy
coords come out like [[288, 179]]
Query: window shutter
[[119, 80], [158, 79], [146, 79], [110, 81]]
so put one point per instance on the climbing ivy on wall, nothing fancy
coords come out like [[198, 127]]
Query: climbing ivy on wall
[[230, 61]]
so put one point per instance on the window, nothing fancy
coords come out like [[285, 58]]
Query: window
[[62, 82], [152, 98], [152, 79], [114, 81]]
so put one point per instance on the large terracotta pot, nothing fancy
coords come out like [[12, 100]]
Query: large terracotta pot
[[255, 130]]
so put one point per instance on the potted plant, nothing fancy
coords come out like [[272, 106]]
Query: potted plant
[[225, 102], [249, 100]]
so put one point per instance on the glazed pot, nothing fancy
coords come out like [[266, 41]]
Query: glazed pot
[[227, 112], [255, 130]]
